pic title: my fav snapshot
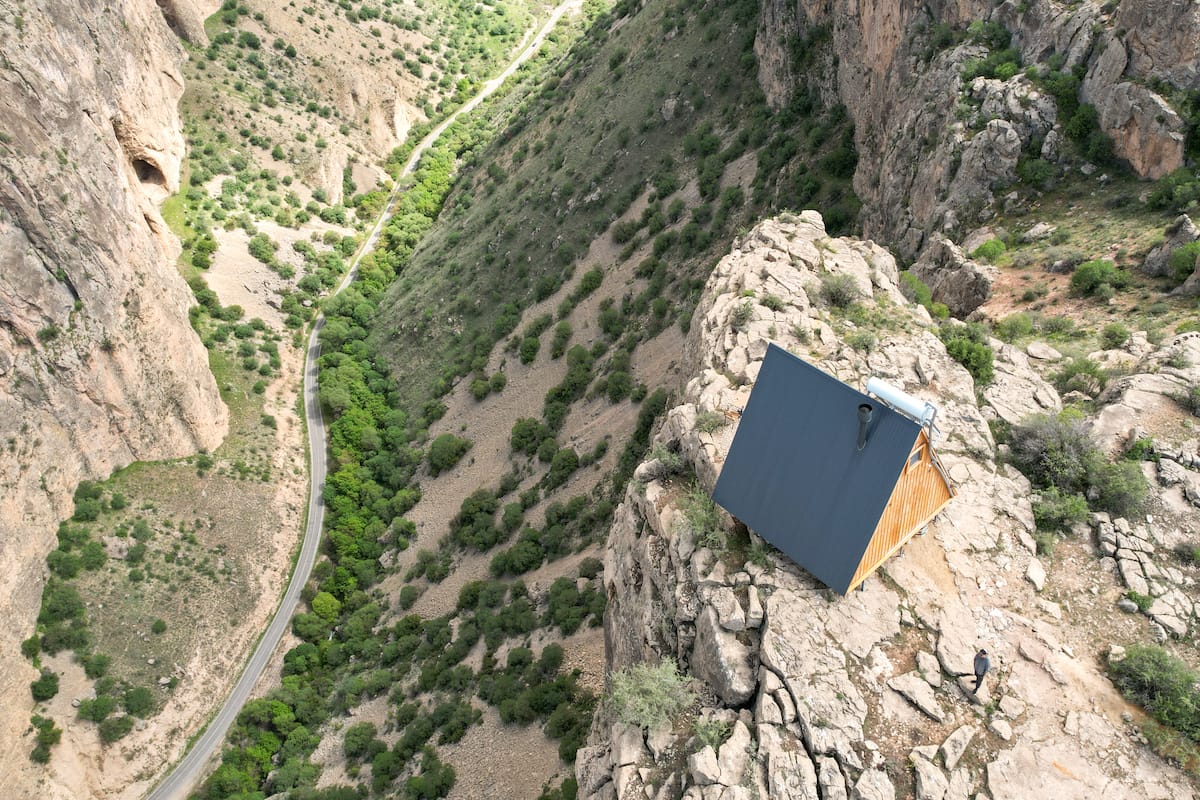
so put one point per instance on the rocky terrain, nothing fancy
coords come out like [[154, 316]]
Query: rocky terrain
[[832, 697], [815, 696], [927, 163], [98, 364]]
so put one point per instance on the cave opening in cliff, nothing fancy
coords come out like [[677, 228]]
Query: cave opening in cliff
[[148, 173]]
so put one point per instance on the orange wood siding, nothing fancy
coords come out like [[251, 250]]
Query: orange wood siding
[[921, 491]]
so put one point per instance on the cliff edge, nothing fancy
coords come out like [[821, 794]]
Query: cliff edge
[[99, 366], [803, 694]]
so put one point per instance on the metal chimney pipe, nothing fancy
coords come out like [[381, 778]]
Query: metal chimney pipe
[[864, 421]]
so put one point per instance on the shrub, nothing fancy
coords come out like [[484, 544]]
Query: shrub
[[989, 251], [1054, 451], [916, 290], [44, 687], [701, 517], [1183, 261], [741, 316], [564, 463], [1191, 400], [1057, 511], [967, 344], [1080, 375], [1121, 487], [712, 732], [1114, 335], [1090, 276], [445, 452], [1162, 684], [115, 728], [650, 696], [863, 341], [529, 349], [710, 421], [839, 291], [159, 627], [138, 701], [1013, 327]]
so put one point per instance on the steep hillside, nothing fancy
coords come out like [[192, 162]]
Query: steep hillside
[[915, 77], [98, 365], [167, 571]]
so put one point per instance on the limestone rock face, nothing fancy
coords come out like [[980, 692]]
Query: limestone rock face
[[959, 282], [922, 167], [98, 363], [819, 669]]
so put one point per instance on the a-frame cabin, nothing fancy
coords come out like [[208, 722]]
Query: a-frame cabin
[[837, 479]]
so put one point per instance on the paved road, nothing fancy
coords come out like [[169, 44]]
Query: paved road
[[188, 772]]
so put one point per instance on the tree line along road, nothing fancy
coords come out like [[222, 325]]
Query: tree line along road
[[204, 750]]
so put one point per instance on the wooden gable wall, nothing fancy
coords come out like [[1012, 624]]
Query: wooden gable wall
[[922, 490]]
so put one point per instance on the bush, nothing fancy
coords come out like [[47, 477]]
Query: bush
[[445, 452], [702, 519], [915, 290], [967, 344], [1191, 400], [839, 291], [1121, 487], [1013, 327], [1183, 261], [650, 696], [1163, 685], [1090, 276], [1058, 452], [114, 728], [138, 701], [1114, 335], [1057, 512], [1080, 375], [44, 687], [1055, 451], [710, 421], [989, 251]]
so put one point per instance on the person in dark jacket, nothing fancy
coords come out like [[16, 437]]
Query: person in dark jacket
[[982, 665]]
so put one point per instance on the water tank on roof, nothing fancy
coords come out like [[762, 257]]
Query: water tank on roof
[[921, 410]]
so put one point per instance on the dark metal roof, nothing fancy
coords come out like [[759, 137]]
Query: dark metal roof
[[794, 475]]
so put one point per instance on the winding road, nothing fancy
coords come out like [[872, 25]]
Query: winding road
[[204, 750]]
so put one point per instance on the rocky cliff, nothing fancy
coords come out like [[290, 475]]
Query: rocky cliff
[[99, 366], [933, 151], [820, 696]]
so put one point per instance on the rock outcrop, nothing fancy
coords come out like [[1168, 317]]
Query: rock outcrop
[[1180, 232], [959, 282], [99, 366], [932, 152], [835, 707]]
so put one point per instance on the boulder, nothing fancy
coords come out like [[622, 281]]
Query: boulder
[[956, 280], [704, 767], [719, 659], [1036, 574], [931, 782], [1178, 233], [915, 690], [956, 745], [873, 784], [790, 772]]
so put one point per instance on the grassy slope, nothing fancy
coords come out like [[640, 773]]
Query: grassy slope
[[591, 141]]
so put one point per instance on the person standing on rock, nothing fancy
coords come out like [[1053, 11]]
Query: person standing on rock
[[982, 665]]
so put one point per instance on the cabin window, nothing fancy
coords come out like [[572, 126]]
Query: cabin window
[[915, 459]]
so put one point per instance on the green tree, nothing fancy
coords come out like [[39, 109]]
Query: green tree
[[44, 687]]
